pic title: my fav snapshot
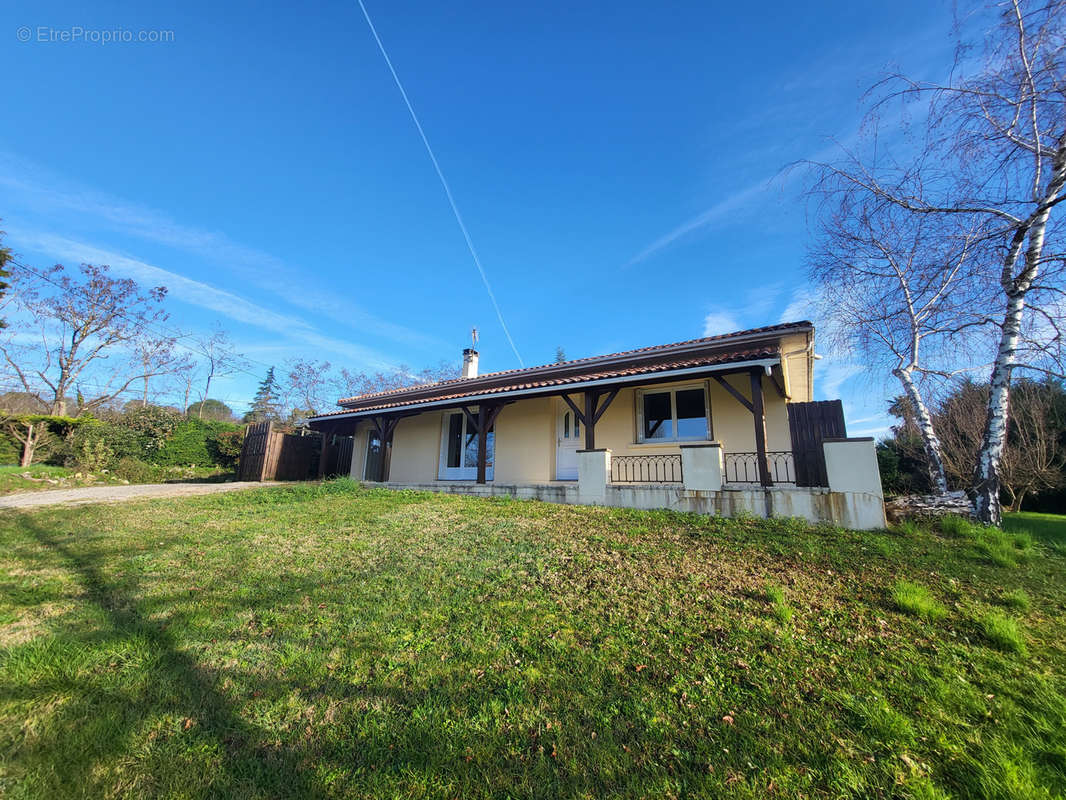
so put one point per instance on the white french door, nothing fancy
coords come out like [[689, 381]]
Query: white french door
[[458, 449], [567, 443]]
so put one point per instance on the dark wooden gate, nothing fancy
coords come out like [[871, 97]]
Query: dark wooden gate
[[810, 424], [336, 455], [270, 455]]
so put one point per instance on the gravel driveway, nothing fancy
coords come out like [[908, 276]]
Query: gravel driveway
[[117, 494]]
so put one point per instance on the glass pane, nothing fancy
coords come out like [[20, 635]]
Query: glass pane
[[657, 419], [566, 425], [372, 470], [470, 451], [577, 428], [691, 414], [455, 439]]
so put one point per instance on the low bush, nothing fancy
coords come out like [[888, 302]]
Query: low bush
[[197, 442], [135, 471]]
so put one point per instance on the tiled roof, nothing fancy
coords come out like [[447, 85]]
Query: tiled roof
[[749, 345]]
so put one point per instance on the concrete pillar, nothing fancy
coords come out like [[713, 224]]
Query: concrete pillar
[[851, 468], [702, 466], [593, 475]]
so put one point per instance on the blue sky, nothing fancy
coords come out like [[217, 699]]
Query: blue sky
[[618, 166]]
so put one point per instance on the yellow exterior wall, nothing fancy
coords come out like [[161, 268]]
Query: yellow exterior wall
[[416, 448], [733, 425], [526, 429], [525, 442]]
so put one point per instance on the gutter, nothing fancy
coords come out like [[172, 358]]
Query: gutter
[[766, 363]]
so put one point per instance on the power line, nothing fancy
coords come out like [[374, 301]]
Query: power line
[[443, 182]]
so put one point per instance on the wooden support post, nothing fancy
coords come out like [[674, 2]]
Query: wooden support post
[[323, 455], [759, 413], [388, 428], [482, 441], [591, 397]]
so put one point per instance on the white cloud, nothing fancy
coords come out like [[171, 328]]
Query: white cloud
[[44, 192], [196, 293], [717, 322]]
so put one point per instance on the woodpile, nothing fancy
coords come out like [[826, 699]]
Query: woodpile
[[913, 506]]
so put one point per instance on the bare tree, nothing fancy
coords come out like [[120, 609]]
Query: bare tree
[[352, 384], [160, 357], [992, 156], [1033, 456], [307, 387], [87, 327], [896, 292], [220, 359]]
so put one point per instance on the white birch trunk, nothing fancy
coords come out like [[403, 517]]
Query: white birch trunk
[[987, 507], [986, 476], [933, 461]]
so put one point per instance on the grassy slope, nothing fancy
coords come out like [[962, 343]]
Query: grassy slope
[[325, 641]]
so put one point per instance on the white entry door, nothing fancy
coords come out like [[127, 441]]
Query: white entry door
[[568, 442]]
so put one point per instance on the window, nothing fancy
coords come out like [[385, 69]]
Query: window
[[459, 446], [671, 415], [375, 456]]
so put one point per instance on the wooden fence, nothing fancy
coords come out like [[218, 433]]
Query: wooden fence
[[810, 424], [271, 455]]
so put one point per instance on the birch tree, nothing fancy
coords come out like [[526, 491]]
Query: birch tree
[[991, 154], [895, 292]]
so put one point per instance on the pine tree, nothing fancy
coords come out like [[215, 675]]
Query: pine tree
[[265, 403]]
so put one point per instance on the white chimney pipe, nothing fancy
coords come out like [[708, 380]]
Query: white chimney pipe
[[469, 363]]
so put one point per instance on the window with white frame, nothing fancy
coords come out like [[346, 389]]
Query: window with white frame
[[671, 415], [458, 449]]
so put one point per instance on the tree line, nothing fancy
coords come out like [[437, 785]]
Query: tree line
[[85, 345], [939, 256]]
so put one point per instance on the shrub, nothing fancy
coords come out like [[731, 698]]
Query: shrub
[[135, 471], [918, 601], [226, 447], [1003, 632], [195, 442], [154, 424], [100, 445]]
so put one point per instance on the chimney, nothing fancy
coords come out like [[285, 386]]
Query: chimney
[[469, 363]]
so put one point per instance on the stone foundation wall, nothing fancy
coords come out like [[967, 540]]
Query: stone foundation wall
[[855, 510]]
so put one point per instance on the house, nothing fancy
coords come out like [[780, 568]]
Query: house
[[723, 424]]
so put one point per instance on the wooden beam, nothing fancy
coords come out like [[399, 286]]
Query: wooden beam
[[591, 396], [740, 398], [603, 406], [577, 412], [482, 442], [759, 413], [778, 387]]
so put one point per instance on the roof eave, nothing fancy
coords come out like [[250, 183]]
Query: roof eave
[[644, 377]]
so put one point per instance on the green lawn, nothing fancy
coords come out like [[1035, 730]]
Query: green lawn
[[328, 641]]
